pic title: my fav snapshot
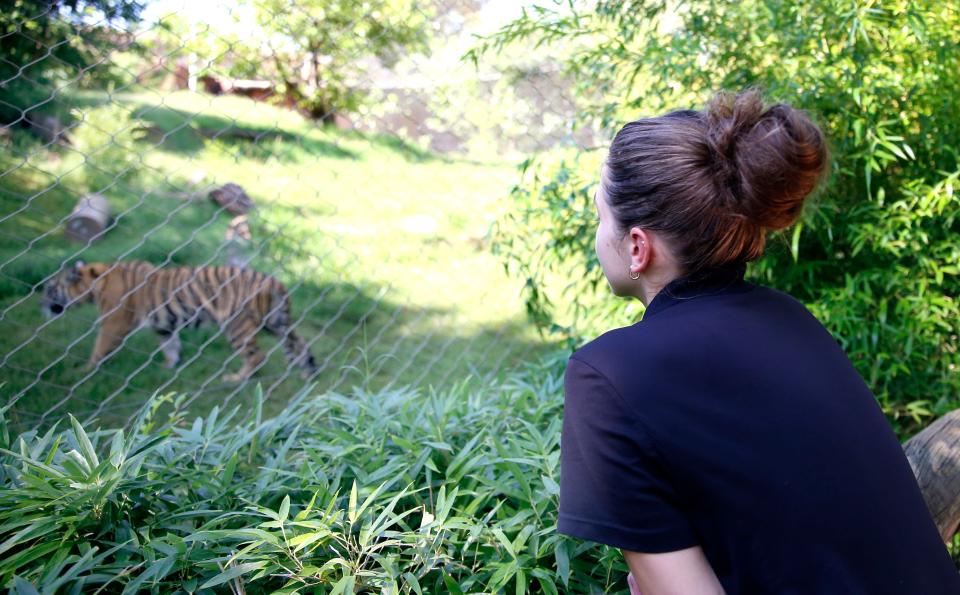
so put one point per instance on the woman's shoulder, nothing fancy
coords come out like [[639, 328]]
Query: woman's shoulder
[[711, 328], [623, 352]]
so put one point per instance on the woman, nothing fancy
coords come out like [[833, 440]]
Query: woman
[[725, 443]]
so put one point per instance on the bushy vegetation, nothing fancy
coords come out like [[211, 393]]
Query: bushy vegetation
[[46, 46], [399, 491], [314, 53], [876, 255]]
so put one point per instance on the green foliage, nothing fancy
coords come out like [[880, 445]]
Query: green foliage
[[876, 253], [46, 45], [332, 40], [453, 491], [553, 203], [111, 157]]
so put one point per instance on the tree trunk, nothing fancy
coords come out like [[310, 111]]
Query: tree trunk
[[934, 455]]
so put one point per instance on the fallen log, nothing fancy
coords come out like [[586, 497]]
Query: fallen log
[[232, 198], [89, 218], [934, 455], [48, 128]]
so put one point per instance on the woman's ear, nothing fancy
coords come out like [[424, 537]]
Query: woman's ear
[[639, 248]]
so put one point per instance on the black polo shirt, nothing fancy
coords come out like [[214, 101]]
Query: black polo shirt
[[730, 418]]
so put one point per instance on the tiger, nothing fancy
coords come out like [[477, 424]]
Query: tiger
[[135, 294]]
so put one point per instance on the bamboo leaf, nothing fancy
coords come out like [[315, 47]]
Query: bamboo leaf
[[232, 573], [83, 441], [352, 504], [22, 587]]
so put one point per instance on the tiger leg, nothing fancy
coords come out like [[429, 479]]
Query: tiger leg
[[242, 334], [298, 354], [170, 344], [113, 329], [295, 349]]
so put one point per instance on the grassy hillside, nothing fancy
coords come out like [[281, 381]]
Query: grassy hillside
[[381, 244]]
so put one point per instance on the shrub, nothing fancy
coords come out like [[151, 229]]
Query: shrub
[[452, 491], [875, 255]]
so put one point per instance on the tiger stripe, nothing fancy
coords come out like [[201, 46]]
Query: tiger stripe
[[134, 293]]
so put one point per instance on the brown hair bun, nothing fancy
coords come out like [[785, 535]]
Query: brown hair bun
[[766, 161], [714, 182]]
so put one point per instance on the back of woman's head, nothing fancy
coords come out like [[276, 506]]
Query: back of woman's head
[[715, 181]]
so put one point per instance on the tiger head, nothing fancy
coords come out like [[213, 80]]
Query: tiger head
[[70, 286]]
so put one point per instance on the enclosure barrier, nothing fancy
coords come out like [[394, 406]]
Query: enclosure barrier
[[118, 198]]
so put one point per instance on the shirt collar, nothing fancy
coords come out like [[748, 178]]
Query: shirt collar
[[724, 278]]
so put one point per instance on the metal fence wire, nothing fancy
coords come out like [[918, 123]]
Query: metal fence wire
[[152, 149]]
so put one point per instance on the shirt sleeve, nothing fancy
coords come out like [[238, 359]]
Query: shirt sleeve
[[612, 486]]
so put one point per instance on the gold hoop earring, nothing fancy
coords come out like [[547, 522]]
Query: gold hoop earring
[[638, 272]]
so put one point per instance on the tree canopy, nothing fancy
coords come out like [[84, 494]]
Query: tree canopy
[[47, 45], [317, 48]]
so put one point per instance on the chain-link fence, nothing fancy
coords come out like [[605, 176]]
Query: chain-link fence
[[164, 139]]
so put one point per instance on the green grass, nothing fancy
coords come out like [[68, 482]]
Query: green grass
[[381, 243]]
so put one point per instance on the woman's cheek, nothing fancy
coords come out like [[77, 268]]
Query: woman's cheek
[[601, 248], [596, 245]]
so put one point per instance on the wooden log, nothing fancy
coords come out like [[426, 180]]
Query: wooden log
[[254, 89], [232, 198], [211, 84], [934, 455], [88, 219], [49, 128]]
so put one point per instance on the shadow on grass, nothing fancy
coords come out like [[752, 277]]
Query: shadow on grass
[[180, 131]]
